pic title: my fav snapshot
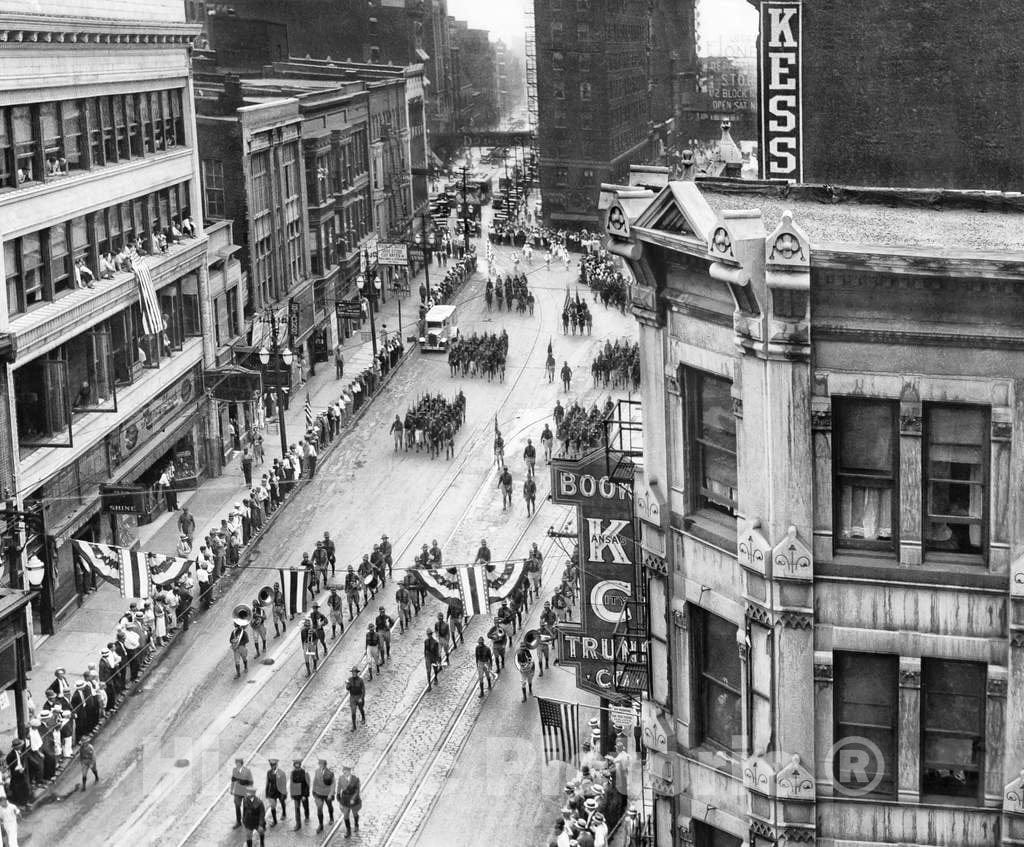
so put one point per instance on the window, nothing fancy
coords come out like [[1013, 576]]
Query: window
[[585, 91], [26, 145], [714, 441], [557, 31], [759, 675], [865, 466], [952, 728], [561, 176], [372, 27], [705, 835], [131, 108], [7, 169], [60, 262], [53, 142], [107, 127], [557, 60], [956, 479], [15, 293], [558, 90], [561, 119], [72, 129], [121, 128], [146, 121], [213, 187], [32, 268], [866, 705], [717, 667], [41, 402]]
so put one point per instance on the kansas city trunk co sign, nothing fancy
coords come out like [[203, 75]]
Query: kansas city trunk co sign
[[782, 145], [607, 567]]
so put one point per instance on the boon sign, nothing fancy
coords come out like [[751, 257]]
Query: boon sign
[[782, 145]]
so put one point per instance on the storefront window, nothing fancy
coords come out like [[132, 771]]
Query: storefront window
[[42, 404]]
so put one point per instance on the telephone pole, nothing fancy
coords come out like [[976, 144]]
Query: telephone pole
[[465, 208]]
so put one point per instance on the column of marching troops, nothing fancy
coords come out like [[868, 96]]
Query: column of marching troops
[[360, 585]]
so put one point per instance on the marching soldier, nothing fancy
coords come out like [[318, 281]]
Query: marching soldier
[[547, 635], [323, 792], [321, 560], [373, 650], [356, 689], [456, 618], [259, 626], [524, 661], [254, 816], [530, 495], [383, 624], [379, 568], [404, 600], [276, 791], [353, 588], [506, 619], [279, 612], [530, 457], [366, 570], [444, 633], [310, 650], [241, 779], [312, 577], [483, 553], [331, 550], [566, 375], [239, 640], [337, 613], [484, 659], [385, 549], [547, 438], [432, 659], [349, 797], [319, 624], [298, 787], [505, 484], [499, 641], [435, 554]]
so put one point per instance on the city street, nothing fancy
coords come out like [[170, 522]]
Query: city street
[[165, 760]]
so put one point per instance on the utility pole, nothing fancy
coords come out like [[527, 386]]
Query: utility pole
[[465, 204]]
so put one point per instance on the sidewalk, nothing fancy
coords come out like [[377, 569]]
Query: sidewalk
[[82, 636]]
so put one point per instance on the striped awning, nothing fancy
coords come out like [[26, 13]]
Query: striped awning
[[152, 320]]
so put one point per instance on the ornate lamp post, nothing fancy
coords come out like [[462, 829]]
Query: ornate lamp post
[[361, 283], [281, 357]]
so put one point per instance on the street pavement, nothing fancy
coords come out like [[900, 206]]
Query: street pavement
[[165, 759]]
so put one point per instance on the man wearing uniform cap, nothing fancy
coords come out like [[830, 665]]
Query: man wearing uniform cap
[[241, 779], [350, 797], [276, 791], [383, 624], [356, 689], [298, 787], [323, 792], [254, 816]]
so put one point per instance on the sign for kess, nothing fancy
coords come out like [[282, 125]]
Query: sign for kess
[[782, 148]]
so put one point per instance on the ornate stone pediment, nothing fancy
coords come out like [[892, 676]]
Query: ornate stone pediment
[[1013, 796], [753, 550], [759, 775], [795, 782], [792, 781], [654, 726], [791, 558]]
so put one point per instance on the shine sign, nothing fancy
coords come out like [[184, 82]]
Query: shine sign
[[781, 112]]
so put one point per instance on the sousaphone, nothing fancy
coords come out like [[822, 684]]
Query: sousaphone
[[242, 614], [266, 596]]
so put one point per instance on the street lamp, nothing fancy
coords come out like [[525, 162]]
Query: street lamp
[[361, 283], [286, 357]]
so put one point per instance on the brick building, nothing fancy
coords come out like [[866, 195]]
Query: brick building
[[606, 89], [831, 527], [98, 151]]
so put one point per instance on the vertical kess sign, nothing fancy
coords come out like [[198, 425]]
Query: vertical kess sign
[[782, 145]]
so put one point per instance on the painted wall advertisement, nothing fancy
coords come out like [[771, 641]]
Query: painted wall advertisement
[[781, 113], [152, 418], [607, 548]]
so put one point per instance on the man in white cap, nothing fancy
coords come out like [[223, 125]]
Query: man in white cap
[[600, 829], [254, 816]]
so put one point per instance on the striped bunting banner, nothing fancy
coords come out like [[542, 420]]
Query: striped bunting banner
[[103, 559], [165, 570], [294, 585], [135, 576], [152, 319], [473, 588]]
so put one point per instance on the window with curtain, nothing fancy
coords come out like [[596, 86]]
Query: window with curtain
[[713, 428], [32, 267], [717, 667], [865, 466], [15, 291], [61, 276], [866, 712], [26, 145], [956, 478], [952, 729]]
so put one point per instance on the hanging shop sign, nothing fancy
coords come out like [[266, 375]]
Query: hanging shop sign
[[152, 418]]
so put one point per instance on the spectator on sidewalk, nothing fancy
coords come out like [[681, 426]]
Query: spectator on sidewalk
[[204, 585], [257, 447], [9, 814], [339, 361], [247, 467], [187, 523], [166, 484]]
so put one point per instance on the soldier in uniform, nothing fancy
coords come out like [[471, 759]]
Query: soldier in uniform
[[432, 658], [310, 650], [336, 613], [323, 792], [499, 641], [312, 577], [279, 612], [254, 816], [547, 438], [239, 640], [350, 797], [241, 779], [353, 588], [483, 553], [530, 495], [484, 659], [365, 570], [259, 626], [373, 650], [276, 791], [298, 787], [383, 623], [321, 560], [403, 597], [456, 617], [505, 484], [385, 549], [444, 634], [319, 623], [356, 689], [524, 661], [331, 553]]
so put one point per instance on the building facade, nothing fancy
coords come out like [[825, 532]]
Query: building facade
[[597, 100], [102, 384], [830, 515]]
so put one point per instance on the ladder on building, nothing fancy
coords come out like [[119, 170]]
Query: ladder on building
[[532, 106]]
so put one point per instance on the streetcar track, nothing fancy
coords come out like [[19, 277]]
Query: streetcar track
[[469, 446]]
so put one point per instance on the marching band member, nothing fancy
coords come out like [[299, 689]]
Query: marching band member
[[239, 640], [524, 661], [259, 626], [499, 641]]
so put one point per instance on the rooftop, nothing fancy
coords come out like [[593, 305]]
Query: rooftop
[[942, 222]]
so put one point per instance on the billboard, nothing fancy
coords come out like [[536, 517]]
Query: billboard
[[781, 79], [393, 253], [607, 550]]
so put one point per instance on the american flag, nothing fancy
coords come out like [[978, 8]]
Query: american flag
[[294, 585], [473, 590], [309, 412], [102, 559], [152, 320], [560, 726]]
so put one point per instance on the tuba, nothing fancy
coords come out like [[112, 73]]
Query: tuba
[[495, 633], [531, 638], [524, 659], [266, 596], [242, 614]]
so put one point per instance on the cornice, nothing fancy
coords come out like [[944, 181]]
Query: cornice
[[44, 29]]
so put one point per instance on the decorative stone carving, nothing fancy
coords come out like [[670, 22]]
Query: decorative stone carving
[[661, 774], [823, 673], [910, 424], [737, 407], [655, 564], [796, 620], [753, 550], [1017, 638], [760, 829], [720, 244], [679, 619], [1002, 430], [791, 558], [796, 835], [910, 678], [758, 614], [795, 782], [821, 420], [996, 687], [1017, 577], [1013, 796], [759, 775], [788, 247], [653, 727]]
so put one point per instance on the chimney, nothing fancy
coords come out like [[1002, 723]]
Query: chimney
[[231, 99]]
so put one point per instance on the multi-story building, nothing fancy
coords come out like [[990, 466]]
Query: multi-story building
[[598, 104], [102, 381], [830, 513]]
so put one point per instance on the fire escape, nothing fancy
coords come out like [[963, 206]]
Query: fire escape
[[624, 450], [532, 106]]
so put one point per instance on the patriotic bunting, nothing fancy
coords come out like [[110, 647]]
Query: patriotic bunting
[[102, 559], [135, 576], [560, 727], [164, 570], [473, 590], [294, 585], [133, 572], [152, 319]]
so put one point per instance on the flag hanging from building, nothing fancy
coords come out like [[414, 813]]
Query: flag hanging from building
[[102, 559], [294, 586], [135, 575], [165, 570], [473, 590], [560, 727], [309, 412], [152, 320]]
